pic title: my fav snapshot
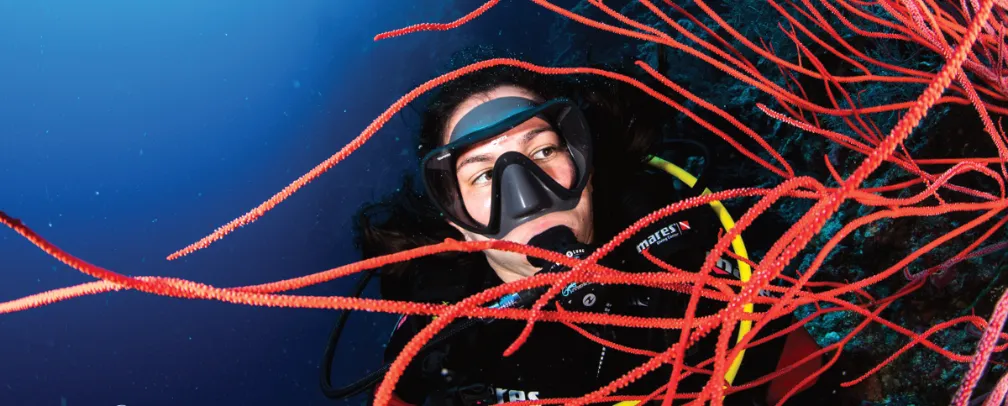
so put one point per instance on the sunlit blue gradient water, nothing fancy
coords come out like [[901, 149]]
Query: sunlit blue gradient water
[[130, 129]]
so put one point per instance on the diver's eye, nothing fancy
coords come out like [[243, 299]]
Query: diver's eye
[[482, 178], [545, 152]]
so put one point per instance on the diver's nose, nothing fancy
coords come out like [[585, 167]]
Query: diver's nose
[[521, 193]]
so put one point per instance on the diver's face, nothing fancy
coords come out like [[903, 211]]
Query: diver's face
[[537, 140]]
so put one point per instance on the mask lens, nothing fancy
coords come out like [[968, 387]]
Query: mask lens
[[535, 140], [439, 176]]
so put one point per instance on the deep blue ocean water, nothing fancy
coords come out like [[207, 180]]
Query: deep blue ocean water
[[129, 130]]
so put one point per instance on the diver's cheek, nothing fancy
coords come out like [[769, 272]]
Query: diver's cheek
[[562, 174], [477, 204], [476, 210]]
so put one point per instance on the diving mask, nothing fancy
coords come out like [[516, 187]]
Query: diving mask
[[520, 189]]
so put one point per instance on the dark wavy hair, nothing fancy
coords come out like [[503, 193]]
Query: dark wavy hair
[[626, 123]]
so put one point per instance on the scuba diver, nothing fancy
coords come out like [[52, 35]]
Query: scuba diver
[[563, 165]]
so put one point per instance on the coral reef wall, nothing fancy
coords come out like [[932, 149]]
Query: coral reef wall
[[919, 376]]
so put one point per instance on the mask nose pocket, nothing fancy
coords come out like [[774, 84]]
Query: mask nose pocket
[[523, 193]]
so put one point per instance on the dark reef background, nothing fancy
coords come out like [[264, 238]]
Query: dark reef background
[[919, 376]]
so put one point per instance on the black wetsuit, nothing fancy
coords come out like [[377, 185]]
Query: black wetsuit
[[557, 361]]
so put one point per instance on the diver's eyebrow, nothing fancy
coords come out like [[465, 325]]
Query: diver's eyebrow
[[473, 159], [528, 136]]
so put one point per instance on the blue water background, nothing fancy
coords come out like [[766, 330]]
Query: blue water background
[[131, 129]]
